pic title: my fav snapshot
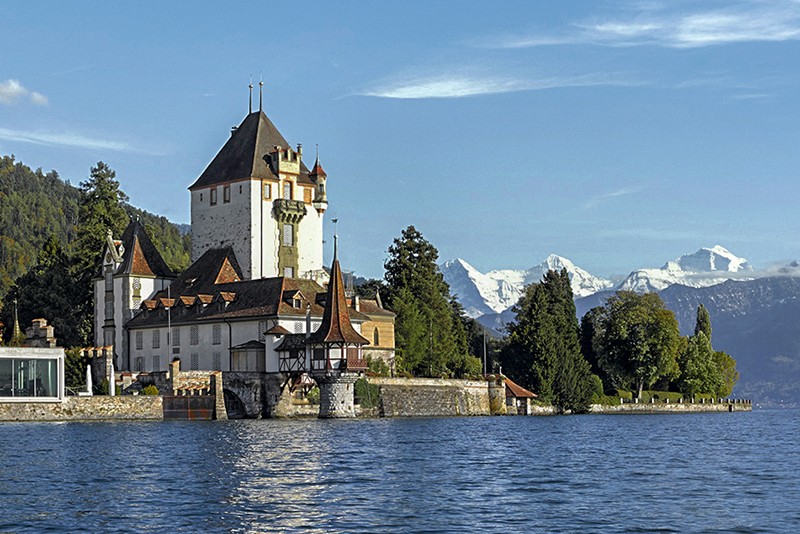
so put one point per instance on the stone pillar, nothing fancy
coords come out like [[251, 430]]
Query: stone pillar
[[336, 395], [219, 396]]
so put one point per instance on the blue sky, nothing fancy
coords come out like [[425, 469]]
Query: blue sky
[[616, 134]]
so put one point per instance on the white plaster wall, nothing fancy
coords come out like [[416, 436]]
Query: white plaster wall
[[99, 311], [310, 241], [265, 231], [224, 224]]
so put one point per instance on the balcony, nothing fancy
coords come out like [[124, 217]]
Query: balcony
[[289, 211]]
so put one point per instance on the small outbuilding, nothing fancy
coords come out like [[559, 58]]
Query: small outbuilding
[[518, 399]]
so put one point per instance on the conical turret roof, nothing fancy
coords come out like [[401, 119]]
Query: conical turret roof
[[336, 326]]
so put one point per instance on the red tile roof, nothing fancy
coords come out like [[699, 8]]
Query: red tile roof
[[515, 390]]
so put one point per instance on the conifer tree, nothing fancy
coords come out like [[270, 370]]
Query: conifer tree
[[703, 323], [418, 294], [101, 209], [699, 372], [543, 350]]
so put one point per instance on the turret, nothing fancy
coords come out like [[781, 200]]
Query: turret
[[318, 176]]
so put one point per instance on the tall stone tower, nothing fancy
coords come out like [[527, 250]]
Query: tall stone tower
[[258, 197]]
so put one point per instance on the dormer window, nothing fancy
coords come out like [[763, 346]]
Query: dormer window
[[296, 303]]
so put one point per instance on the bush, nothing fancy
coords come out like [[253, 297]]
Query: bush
[[313, 395], [366, 395], [377, 367], [621, 393], [608, 400], [150, 390], [596, 385], [661, 396]]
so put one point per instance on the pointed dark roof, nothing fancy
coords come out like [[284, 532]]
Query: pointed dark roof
[[141, 256], [204, 276], [318, 170], [246, 154], [336, 326]]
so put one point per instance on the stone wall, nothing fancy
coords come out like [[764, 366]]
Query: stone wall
[[432, 397], [97, 408], [733, 406]]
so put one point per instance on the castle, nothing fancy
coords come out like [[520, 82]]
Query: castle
[[253, 299]]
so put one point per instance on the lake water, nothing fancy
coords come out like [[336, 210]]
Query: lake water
[[626, 473]]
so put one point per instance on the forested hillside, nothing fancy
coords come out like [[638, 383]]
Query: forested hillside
[[35, 206]]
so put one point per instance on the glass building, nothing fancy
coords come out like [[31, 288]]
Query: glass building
[[31, 374]]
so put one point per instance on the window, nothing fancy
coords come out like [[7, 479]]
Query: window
[[156, 363], [226, 194], [139, 364], [156, 339], [262, 329], [375, 338], [216, 359], [216, 335], [288, 272], [307, 195], [110, 309], [288, 235], [194, 335], [139, 340], [214, 196], [240, 189], [109, 280], [137, 288], [194, 364], [287, 190], [176, 337], [267, 191]]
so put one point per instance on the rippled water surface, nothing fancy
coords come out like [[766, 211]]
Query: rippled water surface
[[634, 473]]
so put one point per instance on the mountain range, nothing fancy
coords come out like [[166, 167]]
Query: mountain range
[[755, 314]]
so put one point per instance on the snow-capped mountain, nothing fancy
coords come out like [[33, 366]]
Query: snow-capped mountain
[[498, 290], [704, 268]]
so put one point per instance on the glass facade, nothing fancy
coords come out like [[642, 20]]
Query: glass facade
[[29, 378]]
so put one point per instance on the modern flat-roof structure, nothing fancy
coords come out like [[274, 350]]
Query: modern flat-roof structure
[[31, 374]]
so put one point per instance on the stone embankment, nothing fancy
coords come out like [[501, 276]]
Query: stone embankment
[[722, 405], [433, 397], [98, 408]]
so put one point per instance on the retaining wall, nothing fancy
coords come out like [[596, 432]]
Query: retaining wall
[[432, 397], [98, 408], [671, 408]]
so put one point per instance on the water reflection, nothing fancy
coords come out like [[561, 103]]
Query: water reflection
[[560, 474]]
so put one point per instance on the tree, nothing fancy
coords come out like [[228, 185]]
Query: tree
[[727, 371], [543, 350], [703, 323], [638, 341], [699, 372], [430, 338], [101, 209], [50, 290]]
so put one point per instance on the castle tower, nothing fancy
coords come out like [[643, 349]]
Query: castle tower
[[335, 348], [132, 271], [258, 197]]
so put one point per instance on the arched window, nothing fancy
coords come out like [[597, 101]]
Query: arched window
[[287, 190], [375, 337]]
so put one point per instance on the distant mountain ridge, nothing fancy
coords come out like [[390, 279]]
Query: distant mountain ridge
[[496, 291]]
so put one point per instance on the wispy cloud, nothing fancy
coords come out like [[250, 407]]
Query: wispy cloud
[[594, 201], [749, 21], [12, 92], [461, 85], [66, 140]]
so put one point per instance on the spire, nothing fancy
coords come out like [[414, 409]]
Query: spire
[[250, 102], [318, 170], [336, 326], [260, 94], [16, 335]]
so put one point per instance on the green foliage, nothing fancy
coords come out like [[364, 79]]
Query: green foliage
[[661, 396], [543, 351], [366, 395], [102, 387], [313, 395], [150, 389], [637, 340], [623, 394], [728, 373], [429, 333], [370, 288], [51, 237], [377, 366], [699, 372], [33, 207], [75, 369], [703, 323], [49, 290]]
